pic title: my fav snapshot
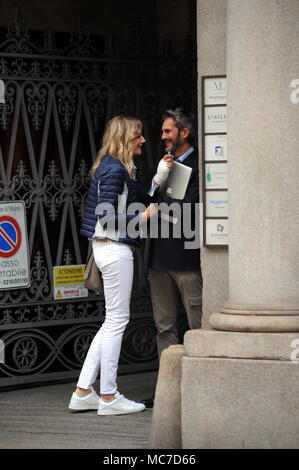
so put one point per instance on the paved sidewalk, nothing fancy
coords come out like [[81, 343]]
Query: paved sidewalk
[[38, 418]]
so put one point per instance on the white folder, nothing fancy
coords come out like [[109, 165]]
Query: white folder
[[176, 184]]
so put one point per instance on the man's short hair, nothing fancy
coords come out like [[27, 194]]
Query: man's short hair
[[183, 120]]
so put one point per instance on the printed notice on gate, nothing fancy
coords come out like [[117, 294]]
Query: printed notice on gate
[[69, 282], [14, 248]]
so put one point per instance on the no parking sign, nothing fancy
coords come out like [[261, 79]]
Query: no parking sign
[[14, 258]]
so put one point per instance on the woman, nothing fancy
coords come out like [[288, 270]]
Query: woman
[[113, 188]]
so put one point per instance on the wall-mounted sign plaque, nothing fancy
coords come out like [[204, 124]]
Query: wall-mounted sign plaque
[[215, 148], [215, 119], [214, 161], [216, 203], [216, 232], [215, 91]]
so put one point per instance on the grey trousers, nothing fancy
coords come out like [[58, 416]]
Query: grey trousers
[[166, 287]]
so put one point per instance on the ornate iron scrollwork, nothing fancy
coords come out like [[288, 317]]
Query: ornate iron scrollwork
[[25, 352], [58, 97]]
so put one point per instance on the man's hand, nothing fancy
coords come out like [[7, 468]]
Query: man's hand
[[164, 167]]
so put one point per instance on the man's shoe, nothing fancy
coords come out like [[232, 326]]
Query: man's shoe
[[148, 402], [87, 402], [119, 406]]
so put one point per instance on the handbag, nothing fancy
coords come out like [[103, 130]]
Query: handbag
[[92, 276]]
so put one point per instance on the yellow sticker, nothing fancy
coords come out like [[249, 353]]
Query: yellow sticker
[[59, 295], [68, 275]]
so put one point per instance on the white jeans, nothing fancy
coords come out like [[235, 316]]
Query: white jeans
[[115, 260]]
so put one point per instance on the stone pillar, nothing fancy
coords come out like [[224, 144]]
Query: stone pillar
[[263, 148], [166, 422]]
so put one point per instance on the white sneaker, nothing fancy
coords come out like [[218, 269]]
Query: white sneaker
[[87, 402], [119, 406]]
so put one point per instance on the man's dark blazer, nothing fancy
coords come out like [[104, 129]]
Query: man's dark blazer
[[171, 253]]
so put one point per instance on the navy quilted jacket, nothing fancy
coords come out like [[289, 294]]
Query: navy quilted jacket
[[111, 192]]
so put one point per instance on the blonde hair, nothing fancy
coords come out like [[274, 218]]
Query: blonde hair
[[117, 142]]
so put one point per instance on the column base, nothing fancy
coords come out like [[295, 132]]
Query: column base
[[239, 404], [255, 322], [238, 390]]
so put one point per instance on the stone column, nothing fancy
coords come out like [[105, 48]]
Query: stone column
[[238, 386], [263, 148]]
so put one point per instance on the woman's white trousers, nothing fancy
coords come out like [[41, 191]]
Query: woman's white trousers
[[115, 260]]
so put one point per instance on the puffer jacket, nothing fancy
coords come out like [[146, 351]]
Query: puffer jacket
[[111, 192]]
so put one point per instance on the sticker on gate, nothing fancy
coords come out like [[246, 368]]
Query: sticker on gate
[[69, 282]]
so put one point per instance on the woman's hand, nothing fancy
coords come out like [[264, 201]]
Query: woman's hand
[[150, 211]]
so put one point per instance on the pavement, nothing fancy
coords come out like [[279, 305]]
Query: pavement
[[38, 418]]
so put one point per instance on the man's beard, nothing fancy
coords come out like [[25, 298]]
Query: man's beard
[[172, 146]]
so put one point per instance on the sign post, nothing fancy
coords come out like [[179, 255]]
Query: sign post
[[14, 250]]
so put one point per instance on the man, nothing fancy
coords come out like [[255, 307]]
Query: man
[[174, 269]]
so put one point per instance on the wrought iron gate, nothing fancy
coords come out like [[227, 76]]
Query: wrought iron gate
[[57, 100]]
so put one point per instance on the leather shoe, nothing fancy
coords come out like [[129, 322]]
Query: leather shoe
[[148, 402]]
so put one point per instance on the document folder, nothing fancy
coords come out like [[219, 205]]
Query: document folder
[[176, 184]]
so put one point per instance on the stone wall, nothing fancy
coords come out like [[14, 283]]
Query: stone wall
[[211, 53]]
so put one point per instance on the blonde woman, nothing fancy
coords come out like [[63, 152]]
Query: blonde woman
[[113, 188]]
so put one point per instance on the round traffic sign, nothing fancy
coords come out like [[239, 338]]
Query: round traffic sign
[[10, 236]]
